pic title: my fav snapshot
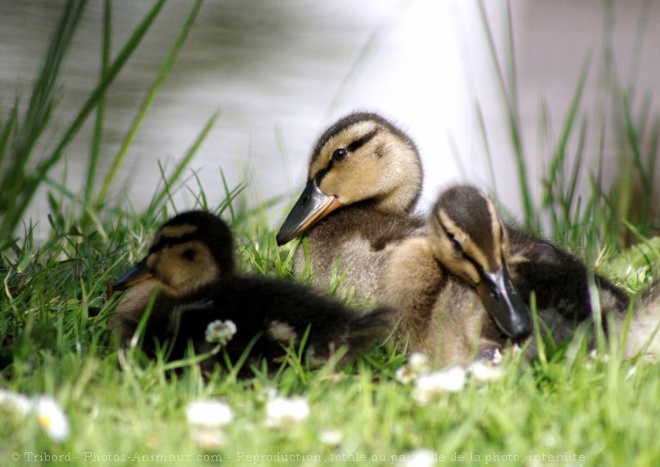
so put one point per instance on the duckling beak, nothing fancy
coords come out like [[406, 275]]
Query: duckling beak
[[137, 273], [504, 304], [312, 206]]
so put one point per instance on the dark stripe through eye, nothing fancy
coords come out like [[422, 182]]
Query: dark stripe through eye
[[340, 154], [358, 143]]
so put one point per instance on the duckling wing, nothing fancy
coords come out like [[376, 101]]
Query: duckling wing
[[559, 279], [277, 313], [411, 284]]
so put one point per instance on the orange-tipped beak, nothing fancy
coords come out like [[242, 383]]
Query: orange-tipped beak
[[312, 206]]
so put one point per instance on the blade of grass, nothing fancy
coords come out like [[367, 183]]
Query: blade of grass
[[31, 183], [507, 88], [21, 136], [146, 103], [560, 153], [374, 38], [100, 109], [181, 166], [486, 143]]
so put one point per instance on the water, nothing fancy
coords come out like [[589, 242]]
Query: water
[[280, 72]]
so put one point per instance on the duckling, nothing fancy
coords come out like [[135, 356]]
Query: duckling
[[452, 286], [190, 275], [364, 180], [465, 285]]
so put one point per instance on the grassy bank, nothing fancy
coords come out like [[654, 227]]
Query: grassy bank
[[55, 340]]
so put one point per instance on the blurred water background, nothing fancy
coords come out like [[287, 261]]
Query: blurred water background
[[280, 72]]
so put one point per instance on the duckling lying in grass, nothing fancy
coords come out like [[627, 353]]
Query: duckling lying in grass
[[463, 288], [200, 300], [365, 177]]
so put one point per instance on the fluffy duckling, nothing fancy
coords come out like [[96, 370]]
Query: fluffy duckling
[[365, 177], [464, 286], [189, 274], [452, 286]]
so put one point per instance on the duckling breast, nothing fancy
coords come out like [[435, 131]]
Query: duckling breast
[[131, 309], [354, 244]]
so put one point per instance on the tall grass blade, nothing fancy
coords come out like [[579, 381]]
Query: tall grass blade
[[20, 137], [146, 104], [100, 108], [32, 182], [377, 35], [507, 88], [182, 165]]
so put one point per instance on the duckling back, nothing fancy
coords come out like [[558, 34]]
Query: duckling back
[[559, 279]]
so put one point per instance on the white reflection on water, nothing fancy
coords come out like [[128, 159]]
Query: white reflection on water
[[279, 72]]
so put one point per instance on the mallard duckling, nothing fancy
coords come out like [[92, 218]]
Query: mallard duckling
[[452, 286], [189, 274], [465, 285], [365, 177]]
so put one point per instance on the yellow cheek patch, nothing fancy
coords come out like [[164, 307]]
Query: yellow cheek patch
[[183, 275]]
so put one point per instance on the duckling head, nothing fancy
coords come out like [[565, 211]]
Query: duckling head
[[471, 241], [361, 158], [190, 251]]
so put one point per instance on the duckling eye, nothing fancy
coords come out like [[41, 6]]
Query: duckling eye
[[458, 248], [189, 255], [339, 154]]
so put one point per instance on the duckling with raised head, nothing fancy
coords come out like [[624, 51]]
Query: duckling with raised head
[[189, 274], [364, 179], [464, 287]]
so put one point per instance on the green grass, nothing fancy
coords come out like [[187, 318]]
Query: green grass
[[54, 312], [55, 340]]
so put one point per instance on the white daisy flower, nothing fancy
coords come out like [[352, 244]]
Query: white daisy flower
[[429, 386], [265, 394], [209, 413], [330, 437], [208, 438], [15, 402], [220, 331], [497, 356], [485, 372], [282, 412], [52, 418], [419, 458], [405, 374], [418, 362]]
